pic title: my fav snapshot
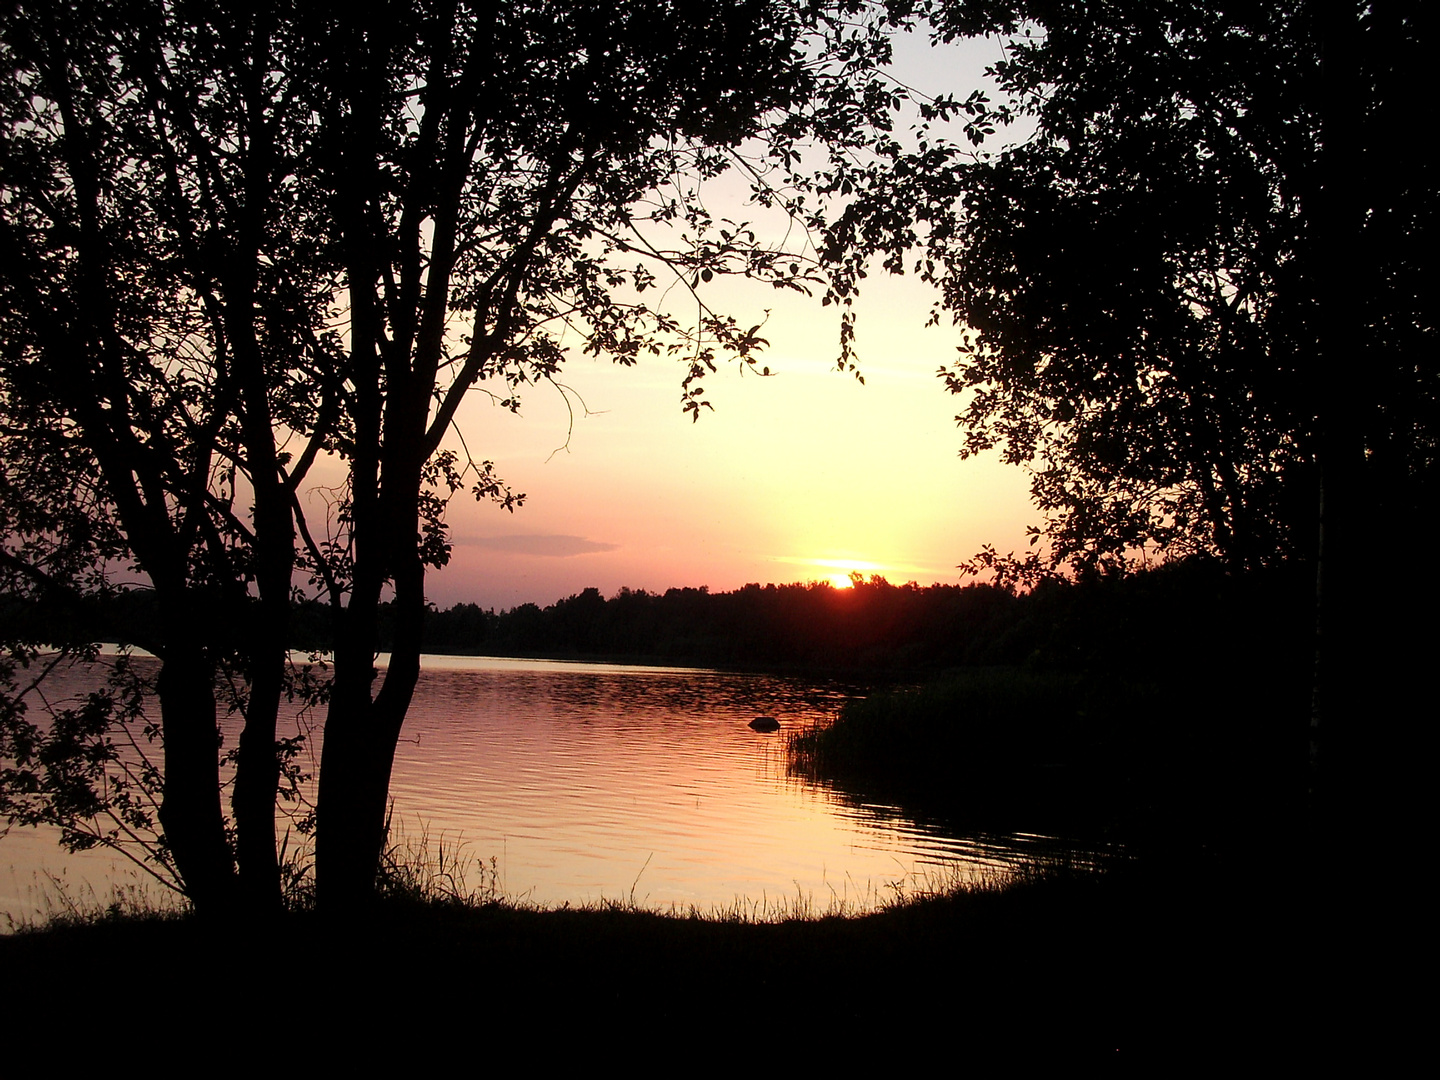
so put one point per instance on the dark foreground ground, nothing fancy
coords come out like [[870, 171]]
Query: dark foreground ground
[[1146, 969]]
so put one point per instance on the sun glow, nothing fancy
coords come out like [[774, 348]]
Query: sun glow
[[869, 483], [849, 564], [841, 581]]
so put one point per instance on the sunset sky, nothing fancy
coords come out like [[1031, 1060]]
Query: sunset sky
[[807, 475]]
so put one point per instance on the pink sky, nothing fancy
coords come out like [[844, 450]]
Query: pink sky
[[791, 478], [799, 477], [804, 476]]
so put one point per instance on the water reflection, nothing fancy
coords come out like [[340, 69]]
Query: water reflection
[[587, 782]]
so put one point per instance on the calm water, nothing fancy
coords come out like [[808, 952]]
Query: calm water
[[583, 782]]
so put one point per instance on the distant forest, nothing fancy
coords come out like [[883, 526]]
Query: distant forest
[[1170, 617]]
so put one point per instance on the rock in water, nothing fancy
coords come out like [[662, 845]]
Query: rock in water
[[765, 723]]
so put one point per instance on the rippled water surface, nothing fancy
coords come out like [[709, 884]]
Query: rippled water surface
[[585, 782]]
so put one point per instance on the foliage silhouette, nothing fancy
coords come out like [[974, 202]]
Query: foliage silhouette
[[1149, 282], [1197, 305], [243, 245]]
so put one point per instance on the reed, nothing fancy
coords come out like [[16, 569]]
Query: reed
[[444, 875], [444, 872], [61, 904]]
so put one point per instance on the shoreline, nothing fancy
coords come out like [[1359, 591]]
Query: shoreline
[[1129, 963]]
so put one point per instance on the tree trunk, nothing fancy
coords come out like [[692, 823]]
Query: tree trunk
[[1344, 640], [344, 875], [257, 777], [361, 734], [190, 805], [360, 740], [257, 769]]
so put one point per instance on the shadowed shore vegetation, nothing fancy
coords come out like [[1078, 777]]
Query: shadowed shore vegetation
[[1166, 768], [1064, 962]]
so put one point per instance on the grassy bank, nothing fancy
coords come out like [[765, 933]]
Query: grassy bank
[[1067, 963]]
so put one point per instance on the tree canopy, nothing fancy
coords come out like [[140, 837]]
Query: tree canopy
[[242, 242], [1196, 302], [1151, 282]]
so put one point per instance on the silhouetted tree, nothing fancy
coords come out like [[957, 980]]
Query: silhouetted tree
[[1198, 296], [1149, 282], [239, 240], [164, 290], [538, 176]]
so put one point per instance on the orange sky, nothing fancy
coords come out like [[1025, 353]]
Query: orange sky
[[797, 477]]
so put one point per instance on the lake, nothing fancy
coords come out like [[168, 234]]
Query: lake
[[578, 783]]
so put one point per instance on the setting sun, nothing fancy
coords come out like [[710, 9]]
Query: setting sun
[[841, 581]]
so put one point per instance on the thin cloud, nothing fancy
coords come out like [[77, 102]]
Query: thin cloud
[[546, 546]]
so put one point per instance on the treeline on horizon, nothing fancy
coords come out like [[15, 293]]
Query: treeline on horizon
[[1174, 616]]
